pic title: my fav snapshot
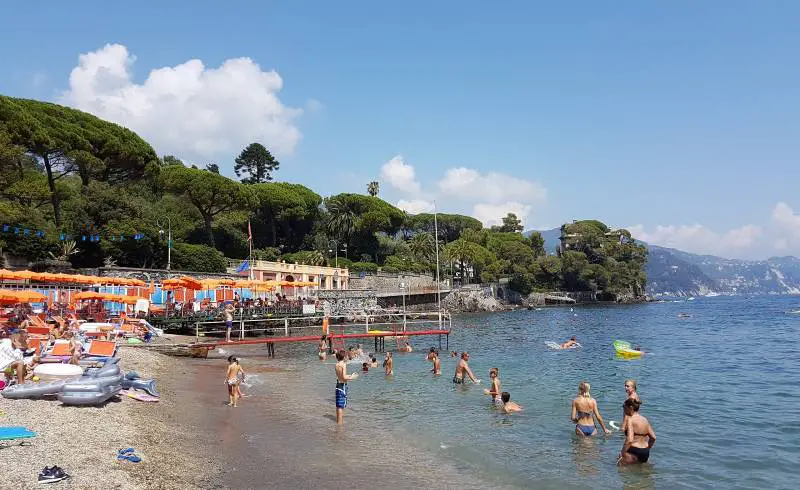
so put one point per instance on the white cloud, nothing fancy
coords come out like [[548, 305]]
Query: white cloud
[[493, 214], [400, 175], [785, 219], [700, 239], [415, 206], [188, 110], [492, 187]]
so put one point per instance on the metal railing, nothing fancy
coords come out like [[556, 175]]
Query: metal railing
[[399, 320]]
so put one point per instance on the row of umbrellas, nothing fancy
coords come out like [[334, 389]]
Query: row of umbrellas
[[6, 275], [187, 282], [10, 296]]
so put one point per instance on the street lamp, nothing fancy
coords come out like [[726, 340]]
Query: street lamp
[[335, 250], [169, 238]]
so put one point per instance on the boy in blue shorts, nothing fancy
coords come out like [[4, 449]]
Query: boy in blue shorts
[[341, 385]]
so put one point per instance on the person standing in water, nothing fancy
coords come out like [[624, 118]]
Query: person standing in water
[[437, 364], [388, 364], [463, 367], [494, 391], [585, 412], [323, 348], [630, 391], [639, 435], [232, 381], [341, 385]]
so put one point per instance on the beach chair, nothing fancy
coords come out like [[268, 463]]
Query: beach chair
[[38, 332], [59, 352], [35, 321], [15, 433], [101, 349]]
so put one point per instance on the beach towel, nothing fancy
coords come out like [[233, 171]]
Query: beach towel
[[15, 432], [8, 355]]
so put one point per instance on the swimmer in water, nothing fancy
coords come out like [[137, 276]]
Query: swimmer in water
[[494, 391], [365, 367], [388, 364], [463, 367], [437, 363], [406, 347], [431, 354], [232, 381], [323, 348], [639, 436], [454, 354], [508, 405], [585, 412], [374, 362], [569, 343]]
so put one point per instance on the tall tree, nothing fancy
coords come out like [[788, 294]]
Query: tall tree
[[210, 193], [373, 188], [256, 162], [212, 167], [341, 220], [423, 247], [511, 224]]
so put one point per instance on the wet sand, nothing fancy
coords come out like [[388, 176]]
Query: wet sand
[[282, 437]]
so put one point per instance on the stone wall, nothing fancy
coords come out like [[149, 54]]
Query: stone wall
[[348, 302], [155, 275], [384, 282]]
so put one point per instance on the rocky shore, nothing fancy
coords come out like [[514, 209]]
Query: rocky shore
[[84, 440], [472, 301]]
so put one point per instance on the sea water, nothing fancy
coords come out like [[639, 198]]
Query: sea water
[[721, 389]]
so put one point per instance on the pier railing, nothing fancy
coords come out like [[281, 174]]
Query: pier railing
[[395, 321]]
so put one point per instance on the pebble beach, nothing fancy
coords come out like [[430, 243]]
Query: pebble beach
[[84, 441]]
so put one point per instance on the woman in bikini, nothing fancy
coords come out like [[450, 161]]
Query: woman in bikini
[[585, 412], [639, 435], [232, 380], [630, 391], [323, 348]]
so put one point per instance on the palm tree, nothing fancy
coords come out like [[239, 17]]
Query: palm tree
[[462, 252], [341, 220], [423, 247], [67, 249], [373, 188]]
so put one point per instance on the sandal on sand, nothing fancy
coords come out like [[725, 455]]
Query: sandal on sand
[[129, 457], [125, 451]]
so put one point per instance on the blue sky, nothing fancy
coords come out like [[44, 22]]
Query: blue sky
[[679, 119]]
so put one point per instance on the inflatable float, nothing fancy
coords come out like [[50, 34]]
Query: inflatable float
[[79, 397], [57, 371], [32, 390], [146, 385], [96, 380], [625, 349]]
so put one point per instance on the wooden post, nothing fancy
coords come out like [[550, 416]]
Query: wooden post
[[197, 331], [286, 326]]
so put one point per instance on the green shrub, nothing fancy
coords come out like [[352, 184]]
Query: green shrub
[[197, 258], [363, 267]]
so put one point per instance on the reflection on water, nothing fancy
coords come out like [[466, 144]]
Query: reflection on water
[[721, 350]]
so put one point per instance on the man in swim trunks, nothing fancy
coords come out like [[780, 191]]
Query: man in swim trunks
[[639, 435], [463, 367], [388, 364], [232, 380], [228, 313], [341, 385]]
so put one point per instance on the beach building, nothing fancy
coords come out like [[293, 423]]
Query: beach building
[[264, 270]]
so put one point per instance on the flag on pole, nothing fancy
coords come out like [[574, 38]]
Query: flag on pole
[[249, 232], [243, 268]]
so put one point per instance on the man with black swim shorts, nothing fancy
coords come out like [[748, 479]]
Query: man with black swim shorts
[[463, 367]]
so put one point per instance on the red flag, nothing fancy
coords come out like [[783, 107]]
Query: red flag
[[249, 232]]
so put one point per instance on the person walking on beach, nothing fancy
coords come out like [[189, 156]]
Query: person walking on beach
[[228, 312], [341, 385], [494, 391], [388, 364], [232, 381], [639, 435], [463, 367], [585, 412]]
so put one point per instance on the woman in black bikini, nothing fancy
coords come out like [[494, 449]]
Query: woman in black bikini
[[639, 435]]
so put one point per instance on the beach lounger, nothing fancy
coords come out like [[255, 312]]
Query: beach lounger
[[15, 433], [101, 349], [37, 322], [38, 332]]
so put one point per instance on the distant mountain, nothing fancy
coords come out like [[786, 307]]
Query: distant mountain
[[672, 272]]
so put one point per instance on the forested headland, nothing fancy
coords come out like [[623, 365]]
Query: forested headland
[[87, 191]]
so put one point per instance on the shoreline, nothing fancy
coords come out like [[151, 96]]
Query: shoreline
[[84, 440]]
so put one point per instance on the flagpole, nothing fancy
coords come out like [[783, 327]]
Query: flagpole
[[250, 257], [438, 282]]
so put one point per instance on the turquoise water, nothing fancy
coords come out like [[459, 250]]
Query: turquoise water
[[721, 389]]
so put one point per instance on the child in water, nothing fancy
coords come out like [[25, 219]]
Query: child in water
[[365, 367], [508, 405], [232, 380], [494, 391], [388, 364]]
